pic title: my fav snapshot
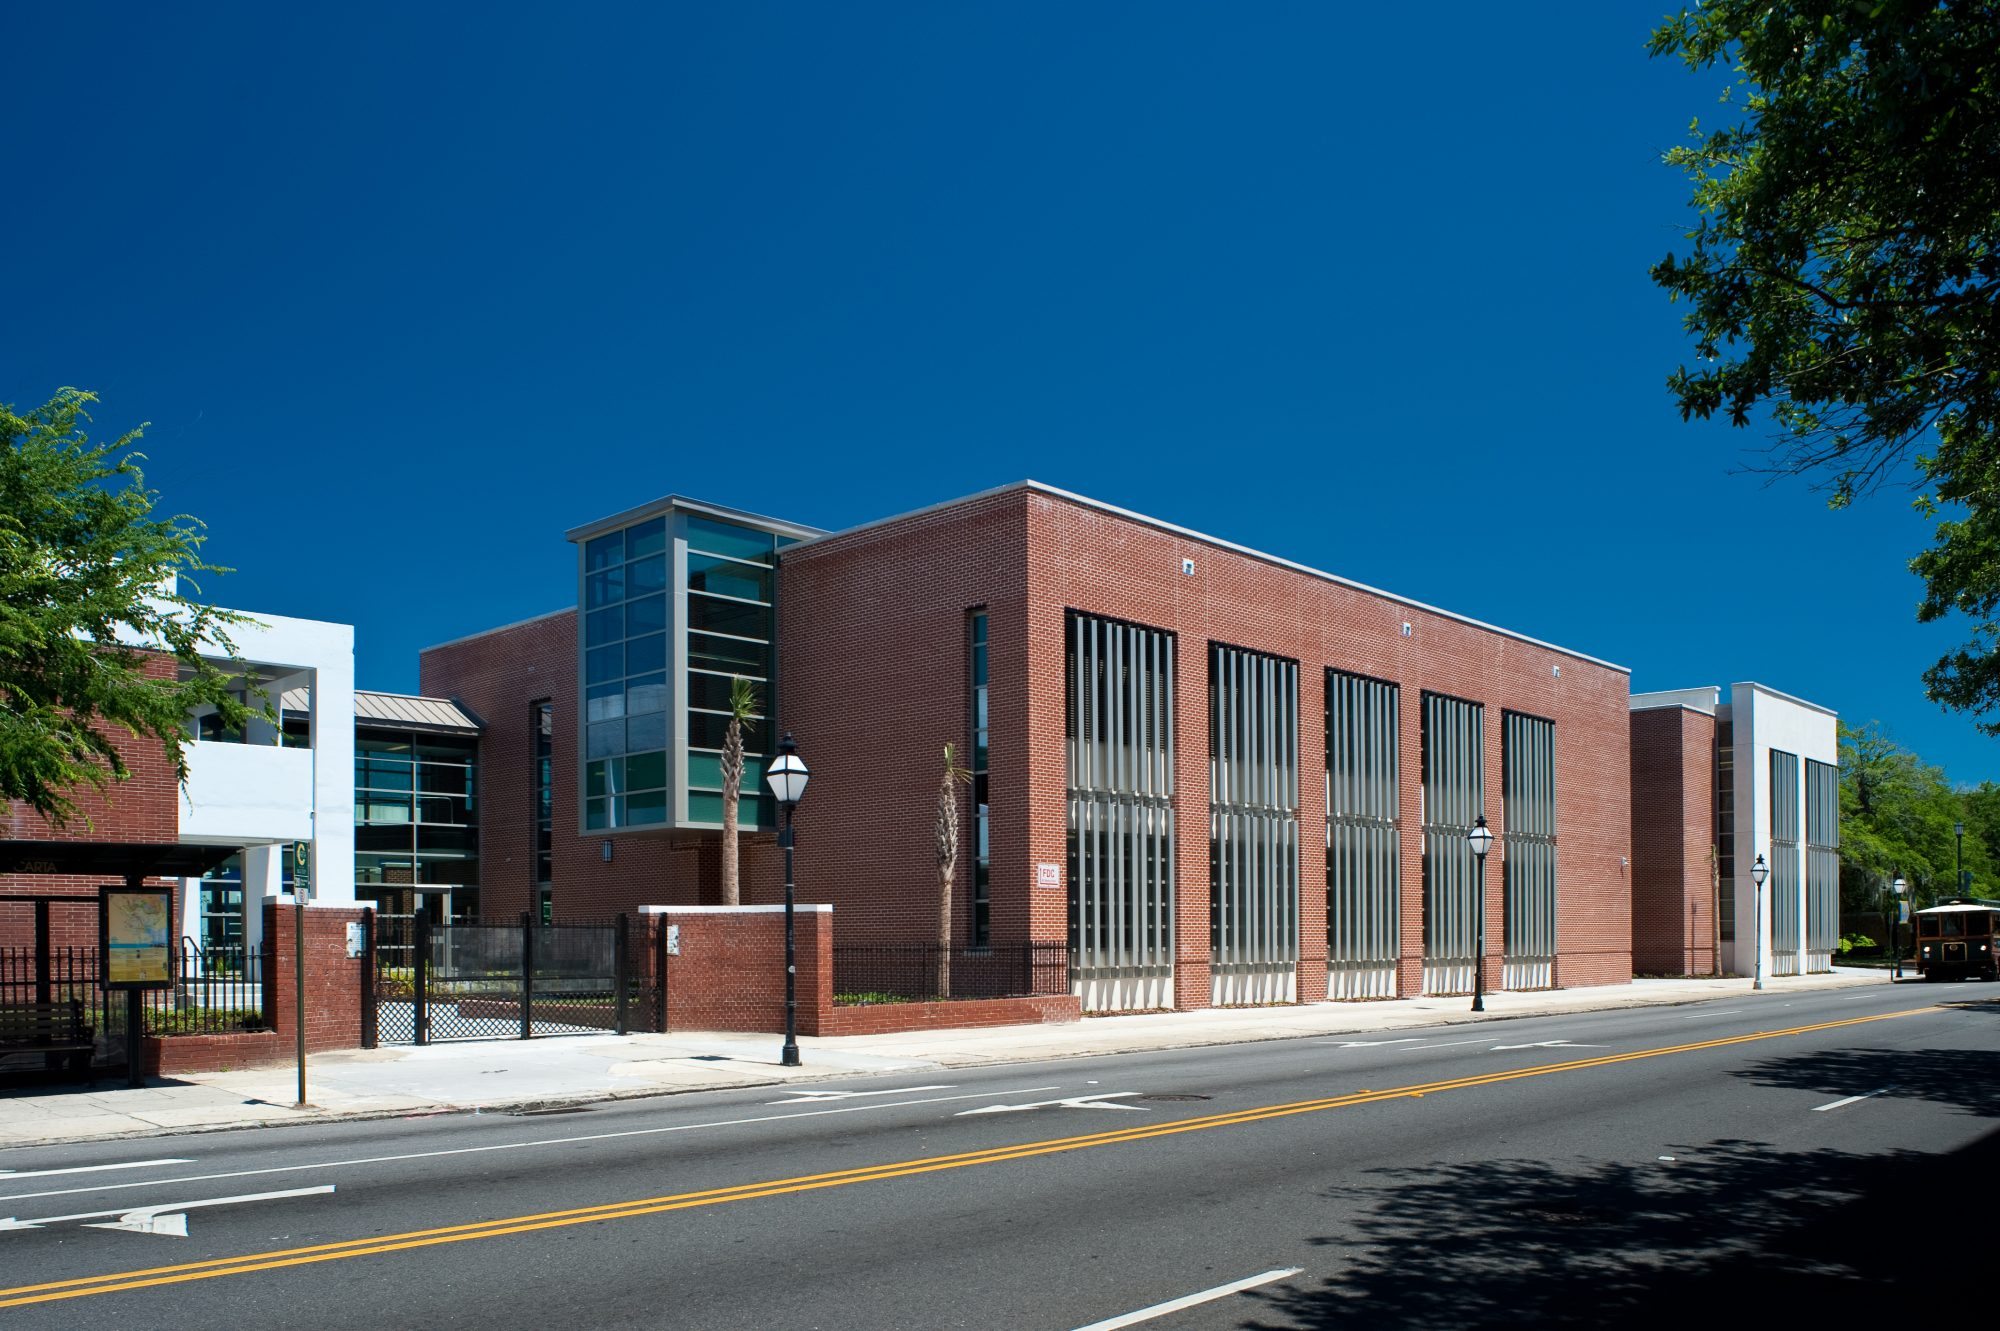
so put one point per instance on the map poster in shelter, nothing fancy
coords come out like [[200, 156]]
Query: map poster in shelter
[[135, 935]]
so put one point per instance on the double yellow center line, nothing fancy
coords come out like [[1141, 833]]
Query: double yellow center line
[[249, 1263]]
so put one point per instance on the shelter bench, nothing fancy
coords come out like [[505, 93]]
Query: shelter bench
[[48, 1029]]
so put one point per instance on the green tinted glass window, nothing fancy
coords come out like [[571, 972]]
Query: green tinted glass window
[[724, 538], [727, 577], [646, 538]]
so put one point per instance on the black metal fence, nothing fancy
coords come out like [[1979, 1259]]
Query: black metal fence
[[439, 981], [216, 990], [926, 972]]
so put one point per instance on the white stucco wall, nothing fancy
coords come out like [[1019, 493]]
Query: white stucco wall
[[258, 795], [1763, 720]]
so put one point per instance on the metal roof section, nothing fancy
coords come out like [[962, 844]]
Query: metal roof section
[[1084, 501], [418, 713], [699, 508], [498, 628], [1770, 692], [1703, 700]]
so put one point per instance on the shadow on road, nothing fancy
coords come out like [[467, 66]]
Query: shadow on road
[[1730, 1230], [1964, 1079]]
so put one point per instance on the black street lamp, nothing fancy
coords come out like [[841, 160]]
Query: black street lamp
[[1895, 931], [1481, 837], [1958, 830], [1758, 873], [787, 779]]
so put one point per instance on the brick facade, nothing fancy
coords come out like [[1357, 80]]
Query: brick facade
[[873, 623], [874, 681], [1673, 841], [145, 807], [498, 677]]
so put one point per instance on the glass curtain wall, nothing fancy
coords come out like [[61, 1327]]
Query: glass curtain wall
[[1784, 884], [1454, 790], [416, 816], [730, 623], [1822, 864], [222, 905], [675, 609], [1528, 849], [1253, 826], [625, 677], [1364, 854], [1119, 726]]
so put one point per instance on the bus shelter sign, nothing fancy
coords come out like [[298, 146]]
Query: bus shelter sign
[[135, 935]]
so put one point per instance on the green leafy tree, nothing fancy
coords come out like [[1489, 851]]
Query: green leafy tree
[[88, 574], [1896, 818], [1842, 275]]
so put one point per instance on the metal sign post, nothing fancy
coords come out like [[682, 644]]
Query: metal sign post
[[301, 891]]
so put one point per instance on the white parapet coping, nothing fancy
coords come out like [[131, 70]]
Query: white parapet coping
[[817, 908]]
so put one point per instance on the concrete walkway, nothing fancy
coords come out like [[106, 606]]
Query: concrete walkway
[[406, 1080]]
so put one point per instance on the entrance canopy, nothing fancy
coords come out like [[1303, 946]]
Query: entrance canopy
[[129, 860]]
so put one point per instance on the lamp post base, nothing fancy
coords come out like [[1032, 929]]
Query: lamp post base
[[788, 1057]]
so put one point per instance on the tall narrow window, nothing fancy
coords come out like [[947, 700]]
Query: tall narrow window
[[543, 771], [1822, 864], [1783, 891], [1528, 853], [982, 839], [1119, 724], [1725, 830], [1363, 837], [1454, 792], [1253, 826]]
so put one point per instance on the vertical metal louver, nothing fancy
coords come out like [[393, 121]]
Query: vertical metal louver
[[1785, 904], [1454, 789], [1822, 864], [1119, 722], [1364, 857], [1528, 820], [1253, 827]]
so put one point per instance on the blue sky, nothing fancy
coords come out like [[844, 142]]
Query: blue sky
[[406, 292]]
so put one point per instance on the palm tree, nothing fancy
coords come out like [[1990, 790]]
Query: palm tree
[[947, 860], [742, 707]]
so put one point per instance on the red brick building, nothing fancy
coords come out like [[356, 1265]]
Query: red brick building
[[1219, 776]]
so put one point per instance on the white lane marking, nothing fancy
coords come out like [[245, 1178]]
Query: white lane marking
[[1192, 1300], [1448, 1044], [517, 1146], [1726, 1012], [1550, 1044], [9, 1175], [1074, 1102], [161, 1218], [1367, 1044], [817, 1097], [1851, 1100]]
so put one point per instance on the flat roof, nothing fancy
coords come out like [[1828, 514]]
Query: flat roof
[[498, 628], [1084, 501], [699, 507], [1782, 696]]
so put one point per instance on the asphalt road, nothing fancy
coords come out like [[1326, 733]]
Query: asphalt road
[[1789, 1154]]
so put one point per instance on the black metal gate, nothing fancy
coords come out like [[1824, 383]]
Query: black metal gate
[[433, 981]]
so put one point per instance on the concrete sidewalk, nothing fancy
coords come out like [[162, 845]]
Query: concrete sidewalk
[[405, 1080]]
